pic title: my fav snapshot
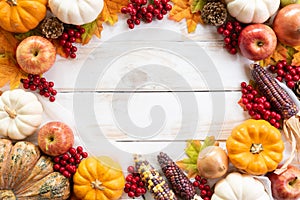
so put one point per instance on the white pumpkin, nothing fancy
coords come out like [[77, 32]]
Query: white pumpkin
[[76, 12], [20, 114], [252, 11], [237, 186]]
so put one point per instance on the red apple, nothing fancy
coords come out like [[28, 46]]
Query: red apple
[[287, 25], [287, 184], [257, 41], [55, 138], [35, 54]]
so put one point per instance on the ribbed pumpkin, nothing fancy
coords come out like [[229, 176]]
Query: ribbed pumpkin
[[76, 12], [20, 114], [98, 178], [252, 11], [255, 146], [20, 16], [25, 174]]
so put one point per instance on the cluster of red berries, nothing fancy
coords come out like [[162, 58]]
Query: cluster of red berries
[[258, 106], [140, 10], [205, 190], [67, 163], [36, 82], [134, 186], [231, 31], [290, 74], [68, 37]]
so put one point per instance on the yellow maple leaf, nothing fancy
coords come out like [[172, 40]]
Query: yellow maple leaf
[[111, 9], [10, 72], [296, 57], [282, 52], [182, 10]]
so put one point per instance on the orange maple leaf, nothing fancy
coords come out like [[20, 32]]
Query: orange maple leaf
[[10, 72], [182, 10], [111, 9], [8, 42]]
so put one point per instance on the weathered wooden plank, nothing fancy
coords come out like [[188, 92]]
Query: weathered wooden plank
[[151, 65], [148, 116]]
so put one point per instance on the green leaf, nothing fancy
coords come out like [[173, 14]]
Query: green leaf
[[197, 5], [193, 147], [209, 141]]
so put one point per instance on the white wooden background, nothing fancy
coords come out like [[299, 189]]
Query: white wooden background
[[141, 93]]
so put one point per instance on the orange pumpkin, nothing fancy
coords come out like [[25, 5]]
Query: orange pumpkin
[[98, 178], [255, 146], [20, 16]]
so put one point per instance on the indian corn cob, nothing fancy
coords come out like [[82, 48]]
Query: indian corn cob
[[181, 185], [154, 182], [278, 97]]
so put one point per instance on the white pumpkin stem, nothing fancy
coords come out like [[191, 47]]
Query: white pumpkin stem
[[97, 185], [256, 148], [11, 113]]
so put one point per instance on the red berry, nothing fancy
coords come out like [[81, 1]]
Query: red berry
[[79, 149], [129, 178], [290, 84], [130, 169], [77, 34], [84, 154], [77, 156], [56, 159], [72, 39], [62, 169], [195, 183], [159, 16], [198, 178], [82, 30], [226, 32], [124, 10], [131, 26], [66, 174], [127, 185], [72, 151], [72, 55], [32, 87], [131, 194], [65, 157], [64, 36], [71, 160], [220, 29], [56, 167], [71, 32], [168, 7], [77, 161]]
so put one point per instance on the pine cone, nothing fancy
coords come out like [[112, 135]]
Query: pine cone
[[214, 13], [296, 89], [51, 27]]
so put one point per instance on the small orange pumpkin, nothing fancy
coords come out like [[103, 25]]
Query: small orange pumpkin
[[255, 146], [20, 16], [98, 178]]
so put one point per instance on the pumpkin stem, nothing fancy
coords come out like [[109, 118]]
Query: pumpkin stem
[[11, 2], [256, 148], [11, 113], [7, 194], [97, 185]]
